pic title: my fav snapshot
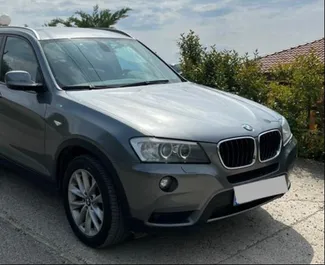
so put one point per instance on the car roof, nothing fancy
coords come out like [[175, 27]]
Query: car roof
[[47, 33]]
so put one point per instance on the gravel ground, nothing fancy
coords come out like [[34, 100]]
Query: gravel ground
[[289, 230]]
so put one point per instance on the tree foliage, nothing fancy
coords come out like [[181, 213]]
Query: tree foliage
[[294, 90], [98, 18], [225, 70], [297, 91]]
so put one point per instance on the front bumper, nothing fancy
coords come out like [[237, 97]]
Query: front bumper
[[205, 192]]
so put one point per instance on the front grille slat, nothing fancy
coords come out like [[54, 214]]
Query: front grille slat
[[246, 152], [242, 147], [233, 157], [267, 151], [245, 148], [236, 153], [229, 154], [270, 145]]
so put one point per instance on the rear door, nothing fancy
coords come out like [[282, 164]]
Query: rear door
[[22, 125]]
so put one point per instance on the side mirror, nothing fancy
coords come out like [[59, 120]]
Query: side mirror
[[21, 80]]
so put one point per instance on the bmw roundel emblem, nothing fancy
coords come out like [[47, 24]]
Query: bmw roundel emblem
[[247, 127]]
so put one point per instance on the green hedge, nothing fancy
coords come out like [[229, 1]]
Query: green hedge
[[293, 90]]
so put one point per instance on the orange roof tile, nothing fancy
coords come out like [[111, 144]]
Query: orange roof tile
[[287, 56]]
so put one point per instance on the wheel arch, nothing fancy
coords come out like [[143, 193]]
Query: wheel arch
[[78, 146]]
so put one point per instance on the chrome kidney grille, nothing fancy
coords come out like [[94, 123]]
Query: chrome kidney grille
[[242, 151], [238, 152], [270, 145]]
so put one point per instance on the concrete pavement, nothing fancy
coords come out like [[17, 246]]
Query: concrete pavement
[[289, 230]]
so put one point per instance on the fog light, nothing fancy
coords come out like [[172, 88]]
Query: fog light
[[168, 184]]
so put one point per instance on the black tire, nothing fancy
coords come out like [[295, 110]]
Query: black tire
[[114, 229]]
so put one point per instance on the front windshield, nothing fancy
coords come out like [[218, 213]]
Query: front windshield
[[104, 62]]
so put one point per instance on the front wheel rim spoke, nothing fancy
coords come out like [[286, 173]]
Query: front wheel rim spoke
[[77, 204], [80, 183], [88, 223], [75, 191], [82, 215], [98, 212], [85, 180], [98, 199], [92, 188], [94, 220]]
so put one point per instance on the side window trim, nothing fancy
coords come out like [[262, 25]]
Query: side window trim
[[2, 46]]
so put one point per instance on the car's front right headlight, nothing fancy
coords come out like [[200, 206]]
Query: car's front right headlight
[[154, 150], [286, 131]]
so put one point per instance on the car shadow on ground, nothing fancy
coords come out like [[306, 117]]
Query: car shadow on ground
[[252, 237], [223, 241]]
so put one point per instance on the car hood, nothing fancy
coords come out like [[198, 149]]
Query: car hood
[[181, 111]]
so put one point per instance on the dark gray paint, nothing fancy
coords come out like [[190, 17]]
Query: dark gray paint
[[181, 111], [105, 120]]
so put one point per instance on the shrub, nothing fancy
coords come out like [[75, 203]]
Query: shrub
[[296, 91], [225, 70]]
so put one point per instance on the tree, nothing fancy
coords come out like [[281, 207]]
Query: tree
[[191, 52], [99, 18]]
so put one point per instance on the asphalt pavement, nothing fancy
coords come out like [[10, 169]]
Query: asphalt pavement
[[289, 230]]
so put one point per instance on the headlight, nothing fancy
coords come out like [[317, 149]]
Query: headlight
[[286, 132], [168, 151]]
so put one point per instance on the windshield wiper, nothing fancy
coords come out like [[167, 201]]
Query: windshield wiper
[[145, 83], [90, 87], [87, 87]]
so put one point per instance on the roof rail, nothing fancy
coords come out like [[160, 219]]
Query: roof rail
[[19, 27], [114, 30]]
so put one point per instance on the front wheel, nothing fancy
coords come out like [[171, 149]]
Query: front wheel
[[91, 203]]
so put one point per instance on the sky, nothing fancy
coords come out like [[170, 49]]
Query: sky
[[242, 25]]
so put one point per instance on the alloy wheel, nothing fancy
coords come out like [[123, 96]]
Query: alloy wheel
[[86, 203]]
